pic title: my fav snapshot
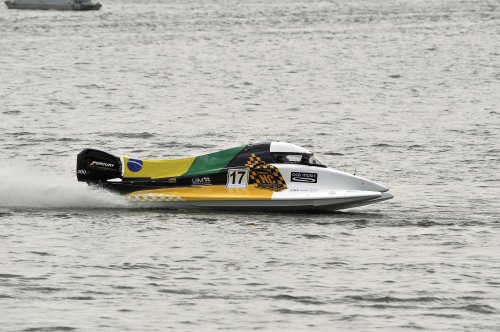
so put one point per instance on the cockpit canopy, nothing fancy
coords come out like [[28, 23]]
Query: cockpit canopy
[[288, 153], [276, 152], [296, 158]]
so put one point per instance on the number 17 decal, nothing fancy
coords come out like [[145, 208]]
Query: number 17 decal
[[237, 178]]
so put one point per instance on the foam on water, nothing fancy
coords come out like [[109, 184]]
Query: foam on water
[[24, 187]]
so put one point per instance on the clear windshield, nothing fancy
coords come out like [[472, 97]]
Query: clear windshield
[[315, 161], [297, 158]]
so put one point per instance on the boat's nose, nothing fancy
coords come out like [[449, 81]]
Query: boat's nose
[[372, 185]]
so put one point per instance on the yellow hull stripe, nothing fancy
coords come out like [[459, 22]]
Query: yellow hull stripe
[[156, 169], [203, 193]]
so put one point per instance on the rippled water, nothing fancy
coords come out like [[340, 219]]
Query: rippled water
[[402, 92]]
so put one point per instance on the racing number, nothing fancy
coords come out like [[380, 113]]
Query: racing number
[[237, 178], [233, 176]]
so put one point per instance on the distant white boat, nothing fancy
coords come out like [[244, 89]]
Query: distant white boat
[[53, 4]]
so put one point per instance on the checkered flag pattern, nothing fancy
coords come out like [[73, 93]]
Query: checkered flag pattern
[[266, 176], [153, 198]]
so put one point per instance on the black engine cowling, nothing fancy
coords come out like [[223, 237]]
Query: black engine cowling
[[94, 166]]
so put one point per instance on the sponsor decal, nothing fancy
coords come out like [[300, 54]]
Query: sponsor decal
[[270, 186], [266, 176], [98, 164], [171, 180], [304, 190], [135, 165], [204, 181], [304, 177]]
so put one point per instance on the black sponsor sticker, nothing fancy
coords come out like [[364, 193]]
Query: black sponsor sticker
[[304, 177], [99, 164], [203, 181]]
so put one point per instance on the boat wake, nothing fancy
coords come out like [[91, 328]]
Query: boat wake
[[20, 187]]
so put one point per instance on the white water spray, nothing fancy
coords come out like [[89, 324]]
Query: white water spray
[[23, 187]]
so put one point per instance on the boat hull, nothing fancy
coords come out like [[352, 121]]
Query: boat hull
[[245, 200]]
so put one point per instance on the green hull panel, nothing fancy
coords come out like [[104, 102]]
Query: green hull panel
[[213, 162]]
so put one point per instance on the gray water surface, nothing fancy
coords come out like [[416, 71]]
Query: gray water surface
[[406, 93]]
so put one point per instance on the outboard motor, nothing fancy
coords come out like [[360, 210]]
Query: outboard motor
[[94, 166]]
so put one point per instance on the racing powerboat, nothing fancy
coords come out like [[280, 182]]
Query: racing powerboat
[[267, 176]]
